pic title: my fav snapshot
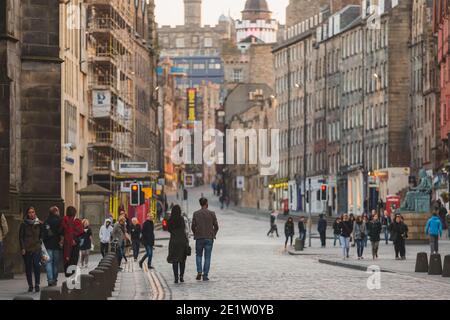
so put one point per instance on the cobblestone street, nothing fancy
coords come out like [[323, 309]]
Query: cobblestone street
[[246, 264]]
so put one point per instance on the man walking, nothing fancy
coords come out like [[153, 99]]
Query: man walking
[[322, 229], [205, 228], [53, 241], [148, 241], [434, 230]]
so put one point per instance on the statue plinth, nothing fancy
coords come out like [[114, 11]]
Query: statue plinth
[[416, 223]]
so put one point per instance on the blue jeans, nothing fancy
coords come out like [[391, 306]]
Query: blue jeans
[[360, 247], [205, 245], [52, 265], [366, 238], [337, 237], [148, 255], [302, 235], [386, 234], [345, 244]]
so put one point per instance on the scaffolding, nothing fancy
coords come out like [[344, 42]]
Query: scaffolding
[[111, 49]]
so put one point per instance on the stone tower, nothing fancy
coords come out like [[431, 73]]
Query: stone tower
[[193, 12]]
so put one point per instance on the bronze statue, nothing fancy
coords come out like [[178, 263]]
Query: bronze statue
[[418, 199]]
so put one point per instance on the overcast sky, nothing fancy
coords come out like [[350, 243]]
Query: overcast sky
[[171, 12]]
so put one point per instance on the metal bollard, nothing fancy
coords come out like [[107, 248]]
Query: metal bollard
[[101, 291], [22, 298], [87, 284], [110, 282], [435, 268], [51, 293], [422, 262], [446, 269]]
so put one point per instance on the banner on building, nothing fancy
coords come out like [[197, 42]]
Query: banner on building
[[101, 103], [189, 181], [240, 182], [191, 104]]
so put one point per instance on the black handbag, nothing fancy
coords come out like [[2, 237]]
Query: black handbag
[[188, 250]]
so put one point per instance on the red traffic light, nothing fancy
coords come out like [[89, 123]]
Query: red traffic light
[[324, 188]]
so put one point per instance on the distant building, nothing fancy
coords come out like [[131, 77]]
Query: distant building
[[257, 21]]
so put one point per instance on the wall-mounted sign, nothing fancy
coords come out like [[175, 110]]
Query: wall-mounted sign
[[101, 103], [133, 167], [189, 181], [191, 104], [240, 182]]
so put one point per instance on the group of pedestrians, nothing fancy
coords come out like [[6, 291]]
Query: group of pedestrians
[[46, 242], [362, 228]]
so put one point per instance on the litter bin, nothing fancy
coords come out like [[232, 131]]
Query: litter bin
[[299, 244]]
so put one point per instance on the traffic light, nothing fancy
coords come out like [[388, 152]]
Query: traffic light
[[324, 192], [307, 196], [135, 194]]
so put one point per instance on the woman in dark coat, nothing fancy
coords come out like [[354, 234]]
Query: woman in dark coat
[[178, 245], [289, 231], [30, 240], [399, 234]]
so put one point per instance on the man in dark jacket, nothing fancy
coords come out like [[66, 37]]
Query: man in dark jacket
[[337, 231], [148, 240], [205, 228], [322, 229], [53, 243], [135, 231], [302, 229]]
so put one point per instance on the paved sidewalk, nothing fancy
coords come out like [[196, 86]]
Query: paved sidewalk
[[386, 262], [19, 287]]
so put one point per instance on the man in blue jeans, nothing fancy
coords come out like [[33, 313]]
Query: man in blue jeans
[[53, 243], [205, 228]]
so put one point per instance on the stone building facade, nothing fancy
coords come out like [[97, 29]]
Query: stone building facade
[[425, 110], [259, 114], [74, 101], [30, 114]]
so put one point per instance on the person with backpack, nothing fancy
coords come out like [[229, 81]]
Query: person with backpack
[[433, 229], [85, 243], [337, 231], [30, 240], [289, 231], [374, 230], [72, 229], [53, 241]]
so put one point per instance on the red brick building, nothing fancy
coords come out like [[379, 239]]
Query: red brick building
[[441, 21]]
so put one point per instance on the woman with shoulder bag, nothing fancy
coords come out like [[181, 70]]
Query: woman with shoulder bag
[[30, 239], [179, 248]]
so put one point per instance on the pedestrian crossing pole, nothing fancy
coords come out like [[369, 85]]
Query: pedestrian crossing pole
[[310, 214]]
